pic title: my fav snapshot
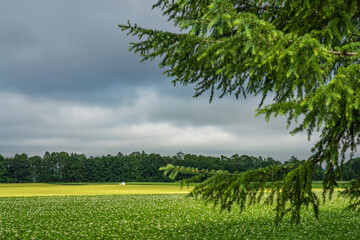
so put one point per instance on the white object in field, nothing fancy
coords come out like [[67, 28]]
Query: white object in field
[[122, 183]]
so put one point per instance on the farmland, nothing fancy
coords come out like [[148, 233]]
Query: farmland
[[43, 189], [159, 216]]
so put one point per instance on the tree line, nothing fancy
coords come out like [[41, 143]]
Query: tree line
[[134, 167]]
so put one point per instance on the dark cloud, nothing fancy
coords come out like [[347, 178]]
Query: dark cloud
[[49, 47], [69, 83], [152, 122]]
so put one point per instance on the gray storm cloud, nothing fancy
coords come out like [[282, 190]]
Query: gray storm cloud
[[36, 126], [69, 83], [49, 47]]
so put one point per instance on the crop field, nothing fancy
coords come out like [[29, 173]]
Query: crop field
[[161, 216], [43, 189]]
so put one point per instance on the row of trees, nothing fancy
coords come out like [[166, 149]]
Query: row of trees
[[137, 166]]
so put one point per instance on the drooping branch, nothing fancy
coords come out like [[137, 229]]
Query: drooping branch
[[353, 193], [292, 58], [289, 186]]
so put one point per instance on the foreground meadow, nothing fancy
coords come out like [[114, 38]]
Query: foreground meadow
[[161, 216]]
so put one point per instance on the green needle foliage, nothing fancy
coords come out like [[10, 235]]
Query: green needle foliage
[[353, 193], [222, 188], [303, 55]]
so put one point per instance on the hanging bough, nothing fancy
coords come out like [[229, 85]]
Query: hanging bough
[[302, 54]]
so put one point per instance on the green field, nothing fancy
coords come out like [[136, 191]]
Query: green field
[[158, 216]]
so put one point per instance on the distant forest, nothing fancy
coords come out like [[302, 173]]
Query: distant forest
[[135, 167]]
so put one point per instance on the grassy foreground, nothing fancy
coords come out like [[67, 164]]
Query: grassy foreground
[[98, 211], [166, 216]]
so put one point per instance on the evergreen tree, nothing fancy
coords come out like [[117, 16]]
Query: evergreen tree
[[18, 168], [304, 55], [2, 169]]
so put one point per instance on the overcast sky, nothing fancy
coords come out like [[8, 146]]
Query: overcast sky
[[69, 83]]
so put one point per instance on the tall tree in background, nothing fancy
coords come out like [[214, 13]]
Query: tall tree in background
[[18, 168], [303, 55], [2, 169]]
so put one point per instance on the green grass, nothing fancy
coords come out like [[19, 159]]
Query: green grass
[[169, 216], [97, 213], [341, 184]]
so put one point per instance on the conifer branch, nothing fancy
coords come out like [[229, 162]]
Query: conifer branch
[[241, 51], [249, 187], [353, 194]]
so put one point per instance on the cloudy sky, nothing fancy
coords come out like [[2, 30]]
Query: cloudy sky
[[69, 83]]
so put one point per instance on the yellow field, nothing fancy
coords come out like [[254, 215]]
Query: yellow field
[[43, 189]]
